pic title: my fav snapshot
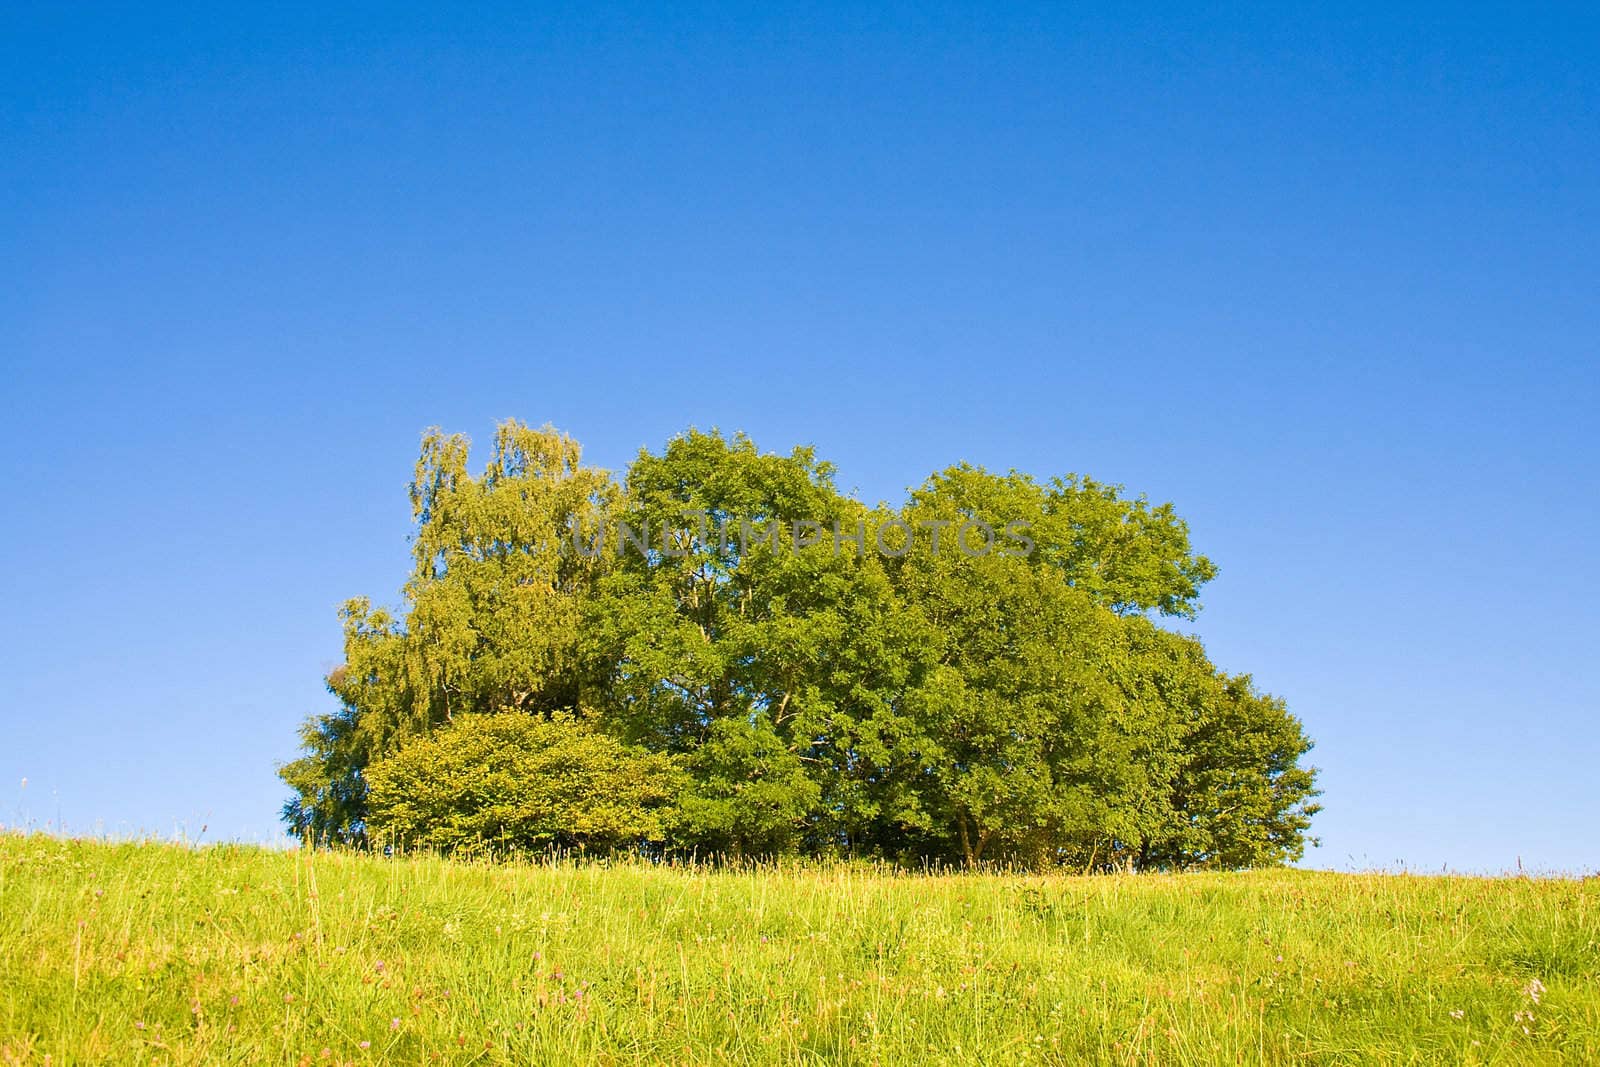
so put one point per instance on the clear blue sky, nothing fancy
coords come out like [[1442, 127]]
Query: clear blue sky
[[1326, 281]]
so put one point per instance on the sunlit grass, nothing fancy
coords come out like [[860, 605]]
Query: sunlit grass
[[159, 953]]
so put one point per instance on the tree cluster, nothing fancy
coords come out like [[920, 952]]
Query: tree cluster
[[751, 697]]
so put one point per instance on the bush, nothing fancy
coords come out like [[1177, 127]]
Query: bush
[[521, 781]]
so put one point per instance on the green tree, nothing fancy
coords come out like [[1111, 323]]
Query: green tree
[[1241, 797], [1033, 749], [772, 657], [1064, 726], [994, 686], [490, 620]]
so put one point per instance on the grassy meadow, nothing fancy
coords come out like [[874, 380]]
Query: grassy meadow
[[151, 953]]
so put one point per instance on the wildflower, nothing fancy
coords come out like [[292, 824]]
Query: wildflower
[[394, 1024], [363, 1044], [377, 965], [1458, 1014], [1534, 990], [139, 1025]]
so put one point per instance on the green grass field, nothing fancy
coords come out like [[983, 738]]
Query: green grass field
[[134, 953]]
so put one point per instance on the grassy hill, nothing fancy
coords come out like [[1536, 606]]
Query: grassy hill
[[156, 953]]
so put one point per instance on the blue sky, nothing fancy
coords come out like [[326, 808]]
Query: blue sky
[[1325, 280]]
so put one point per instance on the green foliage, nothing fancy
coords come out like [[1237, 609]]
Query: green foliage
[[491, 623], [519, 781], [935, 702], [752, 795], [1126, 554]]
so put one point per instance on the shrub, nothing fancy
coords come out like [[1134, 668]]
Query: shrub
[[516, 780]]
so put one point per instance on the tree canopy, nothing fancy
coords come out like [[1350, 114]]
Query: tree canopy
[[722, 652]]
